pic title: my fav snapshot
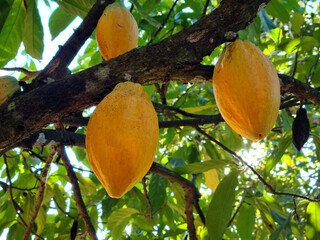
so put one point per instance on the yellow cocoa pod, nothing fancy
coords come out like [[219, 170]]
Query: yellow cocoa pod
[[117, 31], [247, 90], [122, 138], [8, 86]]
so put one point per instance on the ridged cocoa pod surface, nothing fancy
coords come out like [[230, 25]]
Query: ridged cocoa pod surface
[[117, 31], [247, 90], [122, 138], [300, 129]]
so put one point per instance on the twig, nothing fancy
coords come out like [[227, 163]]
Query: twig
[[147, 197], [16, 207], [295, 64], [29, 74], [185, 184], [254, 171], [189, 213], [295, 209], [77, 193], [14, 204], [238, 208], [205, 8], [163, 24], [40, 195], [178, 110], [6, 186], [200, 213], [64, 212]]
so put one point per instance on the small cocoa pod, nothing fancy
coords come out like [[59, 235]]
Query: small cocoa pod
[[300, 129]]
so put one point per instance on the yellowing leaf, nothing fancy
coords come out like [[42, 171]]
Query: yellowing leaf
[[198, 109], [211, 176], [212, 179]]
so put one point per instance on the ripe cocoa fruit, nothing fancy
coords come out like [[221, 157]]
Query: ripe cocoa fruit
[[300, 129], [8, 86], [247, 90], [122, 138], [117, 31]]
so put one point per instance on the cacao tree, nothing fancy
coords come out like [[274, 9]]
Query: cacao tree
[[206, 181]]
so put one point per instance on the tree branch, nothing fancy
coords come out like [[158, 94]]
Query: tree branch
[[187, 185], [39, 198], [188, 195], [56, 68], [168, 60], [145, 193], [77, 193]]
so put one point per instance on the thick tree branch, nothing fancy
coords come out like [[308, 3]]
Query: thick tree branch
[[58, 65], [40, 195], [77, 193], [299, 89], [164, 61]]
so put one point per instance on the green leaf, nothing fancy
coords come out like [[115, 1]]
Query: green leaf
[[157, 191], [316, 77], [316, 35], [231, 139], [178, 193], [266, 22], [276, 234], [277, 9], [144, 15], [4, 12], [266, 214], [107, 206], [287, 121], [58, 21], [296, 22], [25, 180], [220, 208], [313, 221], [28, 206], [76, 7], [307, 43], [11, 32], [87, 186], [316, 140], [143, 223], [277, 153], [211, 150], [118, 220], [41, 220], [200, 167], [246, 221], [16, 231], [59, 197], [33, 31]]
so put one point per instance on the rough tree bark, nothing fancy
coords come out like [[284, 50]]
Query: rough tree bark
[[176, 58]]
